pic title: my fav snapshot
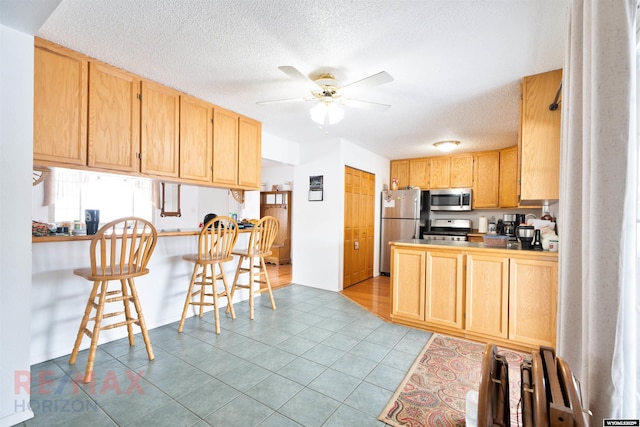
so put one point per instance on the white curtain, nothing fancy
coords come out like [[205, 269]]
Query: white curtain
[[597, 310]]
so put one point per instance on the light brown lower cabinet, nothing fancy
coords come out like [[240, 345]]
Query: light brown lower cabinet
[[508, 297]]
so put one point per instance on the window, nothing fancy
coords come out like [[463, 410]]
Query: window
[[114, 195]]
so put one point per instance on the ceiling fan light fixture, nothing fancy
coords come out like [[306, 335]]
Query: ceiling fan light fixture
[[446, 146], [326, 113]]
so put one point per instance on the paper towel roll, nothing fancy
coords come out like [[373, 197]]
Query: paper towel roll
[[482, 224]]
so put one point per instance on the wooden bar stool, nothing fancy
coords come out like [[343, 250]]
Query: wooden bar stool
[[120, 250], [215, 243], [260, 240]]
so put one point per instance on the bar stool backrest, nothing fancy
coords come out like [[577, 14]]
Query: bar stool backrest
[[217, 239], [263, 235], [123, 248]]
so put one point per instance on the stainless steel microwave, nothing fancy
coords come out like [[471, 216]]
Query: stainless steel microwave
[[453, 199]]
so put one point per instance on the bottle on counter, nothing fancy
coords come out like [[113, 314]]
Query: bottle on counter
[[536, 245]]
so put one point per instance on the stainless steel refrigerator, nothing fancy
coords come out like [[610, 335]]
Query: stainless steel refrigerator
[[400, 219]]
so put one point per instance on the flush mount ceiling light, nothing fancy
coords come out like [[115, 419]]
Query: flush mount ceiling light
[[446, 146], [326, 112]]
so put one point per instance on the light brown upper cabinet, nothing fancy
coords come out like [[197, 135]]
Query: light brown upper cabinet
[[114, 119], [249, 153], [509, 177], [60, 91], [440, 172], [225, 147], [196, 139], [160, 136], [419, 173], [400, 171], [91, 115], [486, 180], [462, 171], [540, 139]]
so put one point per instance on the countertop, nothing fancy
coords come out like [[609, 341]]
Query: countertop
[[472, 246], [164, 232]]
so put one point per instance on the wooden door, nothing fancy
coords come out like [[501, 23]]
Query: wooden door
[[60, 93], [443, 289], [160, 139], [533, 300], [114, 119], [196, 139], [408, 283], [225, 147], [359, 227], [509, 177], [249, 153], [400, 171], [487, 293], [540, 138], [419, 173], [440, 172], [462, 171], [486, 181]]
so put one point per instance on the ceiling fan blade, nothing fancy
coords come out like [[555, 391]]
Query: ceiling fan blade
[[295, 74], [276, 101], [374, 80], [368, 105]]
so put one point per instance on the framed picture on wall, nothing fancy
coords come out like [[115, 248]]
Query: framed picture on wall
[[316, 188]]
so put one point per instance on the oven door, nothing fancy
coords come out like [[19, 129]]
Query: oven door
[[454, 199]]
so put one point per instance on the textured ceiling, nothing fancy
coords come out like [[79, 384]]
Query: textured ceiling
[[456, 64]]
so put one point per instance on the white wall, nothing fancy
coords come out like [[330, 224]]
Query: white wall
[[317, 245], [280, 150], [16, 157]]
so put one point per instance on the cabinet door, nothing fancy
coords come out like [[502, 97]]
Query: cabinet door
[[509, 177], [408, 283], [400, 171], [60, 92], [419, 173], [444, 287], [114, 119], [540, 138], [160, 118], [196, 139], [462, 171], [533, 298], [440, 172], [486, 180], [487, 294], [249, 153], [225, 147]]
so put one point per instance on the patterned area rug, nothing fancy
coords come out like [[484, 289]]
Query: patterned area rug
[[434, 391]]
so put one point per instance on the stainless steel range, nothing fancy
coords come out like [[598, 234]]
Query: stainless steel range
[[448, 229]]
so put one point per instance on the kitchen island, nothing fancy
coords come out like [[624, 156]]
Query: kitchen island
[[505, 296]]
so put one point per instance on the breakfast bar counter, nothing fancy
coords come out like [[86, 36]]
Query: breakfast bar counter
[[58, 297], [506, 296]]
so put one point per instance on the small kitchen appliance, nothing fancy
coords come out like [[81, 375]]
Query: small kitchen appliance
[[525, 234], [448, 229], [510, 223]]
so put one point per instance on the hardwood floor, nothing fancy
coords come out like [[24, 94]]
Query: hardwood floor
[[371, 294], [279, 275]]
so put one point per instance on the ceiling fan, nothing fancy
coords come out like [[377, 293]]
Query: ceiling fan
[[327, 91]]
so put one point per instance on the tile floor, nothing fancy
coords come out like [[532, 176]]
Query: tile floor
[[318, 360]]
